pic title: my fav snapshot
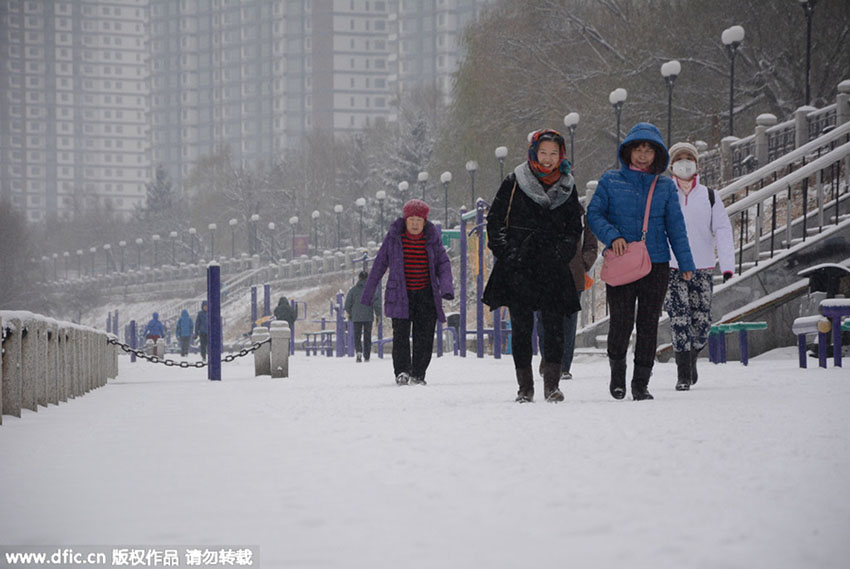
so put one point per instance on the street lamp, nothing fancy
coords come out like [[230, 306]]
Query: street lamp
[[361, 204], [571, 122], [338, 212], [192, 232], [423, 180], [79, 263], [252, 248], [232, 224], [173, 236], [139, 242], [381, 195], [273, 245], [315, 216], [155, 239], [122, 244], [402, 191], [501, 152], [471, 167], [93, 251], [212, 227], [670, 71], [66, 255], [808, 8], [617, 97], [445, 178], [106, 250], [732, 38], [55, 265], [293, 221]]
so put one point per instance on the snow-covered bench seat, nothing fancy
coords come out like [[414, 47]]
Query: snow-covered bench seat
[[835, 309], [811, 325]]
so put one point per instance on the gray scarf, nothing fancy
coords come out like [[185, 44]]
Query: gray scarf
[[555, 196]]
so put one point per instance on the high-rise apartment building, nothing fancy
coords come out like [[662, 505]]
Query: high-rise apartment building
[[73, 118]]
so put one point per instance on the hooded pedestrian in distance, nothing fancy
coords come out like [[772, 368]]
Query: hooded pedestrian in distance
[[362, 316], [154, 330], [420, 277], [688, 302], [616, 215], [202, 329], [283, 311], [183, 330], [533, 227]]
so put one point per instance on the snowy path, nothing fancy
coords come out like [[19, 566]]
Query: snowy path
[[337, 467]]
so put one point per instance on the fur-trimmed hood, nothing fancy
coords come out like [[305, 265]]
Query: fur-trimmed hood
[[555, 196]]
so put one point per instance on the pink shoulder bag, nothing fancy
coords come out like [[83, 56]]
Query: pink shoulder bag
[[635, 263]]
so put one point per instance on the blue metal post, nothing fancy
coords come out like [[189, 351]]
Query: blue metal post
[[801, 348], [294, 305], [721, 347], [742, 346], [253, 307], [822, 349], [267, 303], [479, 279], [340, 325], [439, 338], [464, 259], [497, 333], [214, 296], [134, 337], [109, 323]]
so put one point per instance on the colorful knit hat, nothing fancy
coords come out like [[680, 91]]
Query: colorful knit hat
[[416, 208]]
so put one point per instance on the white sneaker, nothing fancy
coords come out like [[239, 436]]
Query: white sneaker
[[402, 379], [566, 375]]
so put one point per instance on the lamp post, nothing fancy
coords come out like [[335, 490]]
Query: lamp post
[[139, 242], [173, 236], [55, 266], [471, 167], [617, 97], [423, 181], [252, 247], [315, 216], [402, 191], [212, 227], [445, 178], [93, 251], [66, 255], [155, 239], [501, 152], [79, 263], [273, 244], [338, 212], [808, 8], [123, 245], [106, 251], [45, 267], [361, 204], [571, 122], [293, 221], [192, 232], [732, 38], [381, 195], [670, 71], [232, 223]]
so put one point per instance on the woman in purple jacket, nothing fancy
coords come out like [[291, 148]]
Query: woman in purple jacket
[[420, 277]]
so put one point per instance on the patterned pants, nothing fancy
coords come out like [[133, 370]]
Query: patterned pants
[[689, 305]]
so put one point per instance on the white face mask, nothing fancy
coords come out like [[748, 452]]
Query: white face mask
[[684, 169]]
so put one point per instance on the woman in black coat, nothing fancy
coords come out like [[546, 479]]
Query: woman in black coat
[[533, 227]]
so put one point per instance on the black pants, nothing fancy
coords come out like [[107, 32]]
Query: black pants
[[423, 319], [363, 338], [184, 345], [522, 326], [203, 340], [648, 293]]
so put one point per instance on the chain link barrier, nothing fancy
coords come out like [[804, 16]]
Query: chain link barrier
[[171, 363]]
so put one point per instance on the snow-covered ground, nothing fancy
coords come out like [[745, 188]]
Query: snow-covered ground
[[337, 467]]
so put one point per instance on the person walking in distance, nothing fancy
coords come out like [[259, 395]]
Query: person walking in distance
[[420, 277], [362, 316], [616, 215], [202, 329], [533, 227], [183, 330], [688, 302]]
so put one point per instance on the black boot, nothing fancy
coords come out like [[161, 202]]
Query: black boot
[[683, 370], [694, 358], [551, 379], [525, 380], [640, 380], [617, 387]]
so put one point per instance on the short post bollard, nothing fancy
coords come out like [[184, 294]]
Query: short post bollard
[[262, 355], [160, 347], [150, 347], [280, 334]]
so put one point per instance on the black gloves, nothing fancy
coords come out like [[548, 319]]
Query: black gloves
[[727, 275]]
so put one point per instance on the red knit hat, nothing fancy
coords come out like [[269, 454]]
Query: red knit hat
[[416, 208]]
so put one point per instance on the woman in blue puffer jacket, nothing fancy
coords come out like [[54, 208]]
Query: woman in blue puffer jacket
[[615, 215]]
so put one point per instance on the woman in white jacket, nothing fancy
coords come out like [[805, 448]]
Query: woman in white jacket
[[710, 237]]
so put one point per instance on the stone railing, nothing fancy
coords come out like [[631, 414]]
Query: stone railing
[[46, 361]]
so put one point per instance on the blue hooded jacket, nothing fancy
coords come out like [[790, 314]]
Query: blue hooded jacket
[[184, 325], [155, 327], [202, 321], [619, 203]]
